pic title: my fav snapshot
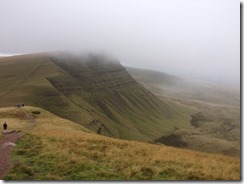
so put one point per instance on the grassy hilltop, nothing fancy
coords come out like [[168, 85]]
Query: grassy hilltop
[[91, 90], [58, 149]]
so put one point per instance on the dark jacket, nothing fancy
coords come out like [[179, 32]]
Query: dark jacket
[[5, 126]]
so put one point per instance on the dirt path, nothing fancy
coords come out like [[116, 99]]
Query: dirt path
[[6, 146], [30, 118]]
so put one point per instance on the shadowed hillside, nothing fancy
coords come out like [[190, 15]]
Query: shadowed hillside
[[92, 90]]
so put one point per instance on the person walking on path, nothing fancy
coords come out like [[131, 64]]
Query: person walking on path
[[5, 126]]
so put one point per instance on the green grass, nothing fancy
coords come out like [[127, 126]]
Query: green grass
[[215, 108], [58, 149], [86, 91], [105, 93]]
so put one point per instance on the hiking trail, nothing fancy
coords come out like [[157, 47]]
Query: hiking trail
[[8, 142]]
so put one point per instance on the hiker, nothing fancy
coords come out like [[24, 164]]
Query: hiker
[[5, 126]]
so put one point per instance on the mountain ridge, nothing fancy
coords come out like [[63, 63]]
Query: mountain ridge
[[90, 90]]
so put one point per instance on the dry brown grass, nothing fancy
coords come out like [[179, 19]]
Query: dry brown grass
[[75, 153], [15, 118]]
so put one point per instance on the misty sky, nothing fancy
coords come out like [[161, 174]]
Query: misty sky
[[197, 39]]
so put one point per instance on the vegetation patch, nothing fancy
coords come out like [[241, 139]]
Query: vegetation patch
[[172, 140], [36, 112], [58, 149], [198, 120]]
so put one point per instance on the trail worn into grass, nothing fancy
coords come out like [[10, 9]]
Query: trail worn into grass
[[30, 118], [6, 146], [8, 142]]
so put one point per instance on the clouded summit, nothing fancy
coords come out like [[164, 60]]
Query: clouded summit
[[194, 39]]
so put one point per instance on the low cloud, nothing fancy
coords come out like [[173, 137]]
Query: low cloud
[[188, 38]]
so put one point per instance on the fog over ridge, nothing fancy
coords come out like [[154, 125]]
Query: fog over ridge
[[187, 38]]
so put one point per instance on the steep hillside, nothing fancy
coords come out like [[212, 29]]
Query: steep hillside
[[92, 90], [216, 122], [58, 149]]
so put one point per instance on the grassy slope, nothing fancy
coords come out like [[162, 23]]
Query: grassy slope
[[24, 79], [93, 93], [219, 131], [58, 149]]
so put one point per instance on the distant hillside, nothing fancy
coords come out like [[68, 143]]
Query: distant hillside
[[91, 90], [167, 85], [215, 126]]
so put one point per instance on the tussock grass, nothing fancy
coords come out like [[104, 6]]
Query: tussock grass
[[15, 118], [58, 149]]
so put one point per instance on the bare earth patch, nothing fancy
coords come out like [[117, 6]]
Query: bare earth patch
[[6, 146]]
